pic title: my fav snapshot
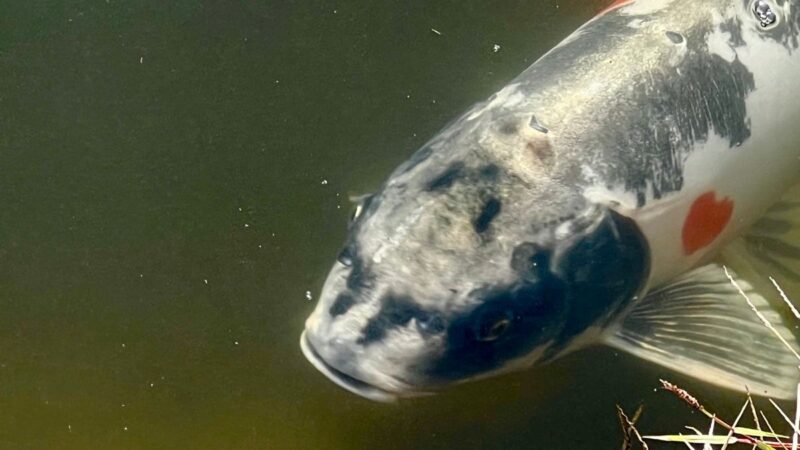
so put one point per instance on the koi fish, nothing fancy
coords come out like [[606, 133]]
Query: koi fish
[[591, 201]]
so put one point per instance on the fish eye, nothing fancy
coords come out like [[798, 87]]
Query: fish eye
[[493, 325]]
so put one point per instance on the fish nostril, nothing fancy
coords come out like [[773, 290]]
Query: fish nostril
[[345, 257], [341, 305]]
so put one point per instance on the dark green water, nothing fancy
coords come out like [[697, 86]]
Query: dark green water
[[174, 177]]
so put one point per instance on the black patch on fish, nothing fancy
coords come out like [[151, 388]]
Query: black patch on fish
[[396, 311], [359, 277], [676, 111], [734, 29], [489, 172], [490, 210], [604, 271], [530, 261], [446, 178], [341, 305], [509, 127], [508, 322]]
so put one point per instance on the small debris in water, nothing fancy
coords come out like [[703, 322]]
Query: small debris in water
[[125, 428], [123, 345], [496, 48], [247, 225], [334, 11], [205, 280], [141, 60], [235, 342], [324, 182], [309, 296], [438, 33], [152, 385]]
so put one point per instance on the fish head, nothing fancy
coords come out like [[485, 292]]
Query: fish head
[[462, 267]]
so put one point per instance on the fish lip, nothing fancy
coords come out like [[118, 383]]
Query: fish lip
[[342, 379]]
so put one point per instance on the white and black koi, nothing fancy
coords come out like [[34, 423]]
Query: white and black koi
[[584, 203]]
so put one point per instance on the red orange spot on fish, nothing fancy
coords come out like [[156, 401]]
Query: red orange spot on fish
[[615, 5], [706, 219]]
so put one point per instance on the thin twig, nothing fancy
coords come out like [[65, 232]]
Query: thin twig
[[735, 422], [796, 419], [785, 417], [785, 298], [771, 430], [758, 313], [629, 428]]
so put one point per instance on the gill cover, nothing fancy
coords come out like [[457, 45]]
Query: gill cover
[[578, 277]]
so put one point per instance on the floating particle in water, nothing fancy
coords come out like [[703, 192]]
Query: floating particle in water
[[309, 296], [205, 280], [247, 225], [437, 32], [496, 48], [235, 342], [324, 182], [141, 60]]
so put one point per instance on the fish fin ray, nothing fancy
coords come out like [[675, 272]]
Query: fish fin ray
[[729, 346], [771, 248]]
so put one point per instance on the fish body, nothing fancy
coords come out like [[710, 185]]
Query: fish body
[[573, 205]]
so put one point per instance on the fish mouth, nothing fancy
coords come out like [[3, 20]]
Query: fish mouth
[[342, 379]]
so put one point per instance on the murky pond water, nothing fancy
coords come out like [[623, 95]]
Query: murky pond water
[[174, 177]]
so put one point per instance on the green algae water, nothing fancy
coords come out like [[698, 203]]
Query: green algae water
[[174, 185]]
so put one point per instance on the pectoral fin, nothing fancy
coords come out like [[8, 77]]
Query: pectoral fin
[[701, 325]]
